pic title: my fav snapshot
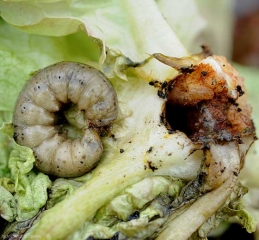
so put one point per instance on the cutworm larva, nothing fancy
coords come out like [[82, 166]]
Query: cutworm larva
[[59, 113]]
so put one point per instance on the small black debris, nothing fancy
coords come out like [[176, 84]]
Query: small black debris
[[134, 215]]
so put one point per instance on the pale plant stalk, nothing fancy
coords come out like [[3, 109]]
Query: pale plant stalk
[[184, 225]]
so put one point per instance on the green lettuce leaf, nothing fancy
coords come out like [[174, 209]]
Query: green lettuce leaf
[[110, 22], [137, 212], [134, 198], [7, 205], [6, 145], [62, 188], [25, 190]]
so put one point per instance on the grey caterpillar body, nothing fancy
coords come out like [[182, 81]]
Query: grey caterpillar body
[[87, 101]]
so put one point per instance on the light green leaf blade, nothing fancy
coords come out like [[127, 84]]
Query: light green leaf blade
[[18, 177], [118, 24], [7, 205]]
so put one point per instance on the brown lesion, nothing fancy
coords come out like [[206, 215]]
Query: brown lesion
[[207, 105], [218, 120]]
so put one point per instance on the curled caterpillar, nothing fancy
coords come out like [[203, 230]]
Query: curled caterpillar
[[59, 113]]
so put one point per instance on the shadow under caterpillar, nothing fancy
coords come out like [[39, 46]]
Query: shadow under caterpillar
[[58, 113]]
